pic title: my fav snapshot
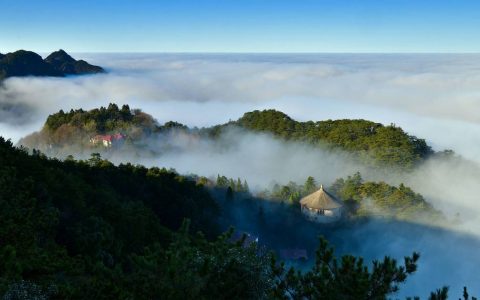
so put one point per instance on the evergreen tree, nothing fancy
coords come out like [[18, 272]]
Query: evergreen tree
[[229, 194], [239, 186], [310, 185], [246, 189], [222, 181]]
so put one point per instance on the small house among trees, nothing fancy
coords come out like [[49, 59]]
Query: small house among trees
[[321, 206], [108, 140]]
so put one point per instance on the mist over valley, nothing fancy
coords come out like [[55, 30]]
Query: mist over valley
[[273, 120]]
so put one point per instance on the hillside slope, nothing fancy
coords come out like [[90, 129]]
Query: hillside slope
[[77, 224], [91, 230], [72, 132], [373, 144]]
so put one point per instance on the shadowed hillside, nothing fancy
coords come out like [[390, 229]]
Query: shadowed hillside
[[90, 230]]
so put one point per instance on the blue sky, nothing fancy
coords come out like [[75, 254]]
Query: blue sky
[[241, 26]]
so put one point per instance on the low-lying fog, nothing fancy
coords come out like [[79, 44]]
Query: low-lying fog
[[446, 257], [435, 97]]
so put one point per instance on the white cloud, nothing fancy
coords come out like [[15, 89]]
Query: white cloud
[[403, 89], [434, 97]]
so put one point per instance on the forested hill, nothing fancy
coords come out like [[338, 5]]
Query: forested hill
[[372, 142], [361, 198], [91, 230], [83, 225], [76, 127], [28, 63], [102, 120]]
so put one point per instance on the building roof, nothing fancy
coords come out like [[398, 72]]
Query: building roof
[[109, 137], [320, 199]]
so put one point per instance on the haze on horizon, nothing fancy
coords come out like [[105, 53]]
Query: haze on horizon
[[430, 96]]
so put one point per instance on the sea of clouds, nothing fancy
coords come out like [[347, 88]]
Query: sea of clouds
[[435, 97]]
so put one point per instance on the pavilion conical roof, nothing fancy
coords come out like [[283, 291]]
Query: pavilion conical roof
[[320, 199]]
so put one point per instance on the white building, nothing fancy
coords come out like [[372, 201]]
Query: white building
[[108, 140], [321, 207]]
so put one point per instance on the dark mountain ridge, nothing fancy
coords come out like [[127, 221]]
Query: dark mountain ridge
[[66, 64], [58, 64]]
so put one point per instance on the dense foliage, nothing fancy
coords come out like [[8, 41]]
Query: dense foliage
[[372, 142], [81, 224], [292, 192], [75, 128], [381, 199], [363, 198], [234, 185], [91, 230], [28, 63], [348, 278], [102, 120]]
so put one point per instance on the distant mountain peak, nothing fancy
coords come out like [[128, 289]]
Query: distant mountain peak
[[28, 63], [25, 63], [59, 56]]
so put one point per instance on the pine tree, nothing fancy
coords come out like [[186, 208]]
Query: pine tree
[[246, 189], [310, 185], [229, 194], [239, 186]]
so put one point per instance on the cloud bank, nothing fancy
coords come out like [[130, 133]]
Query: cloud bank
[[435, 97]]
